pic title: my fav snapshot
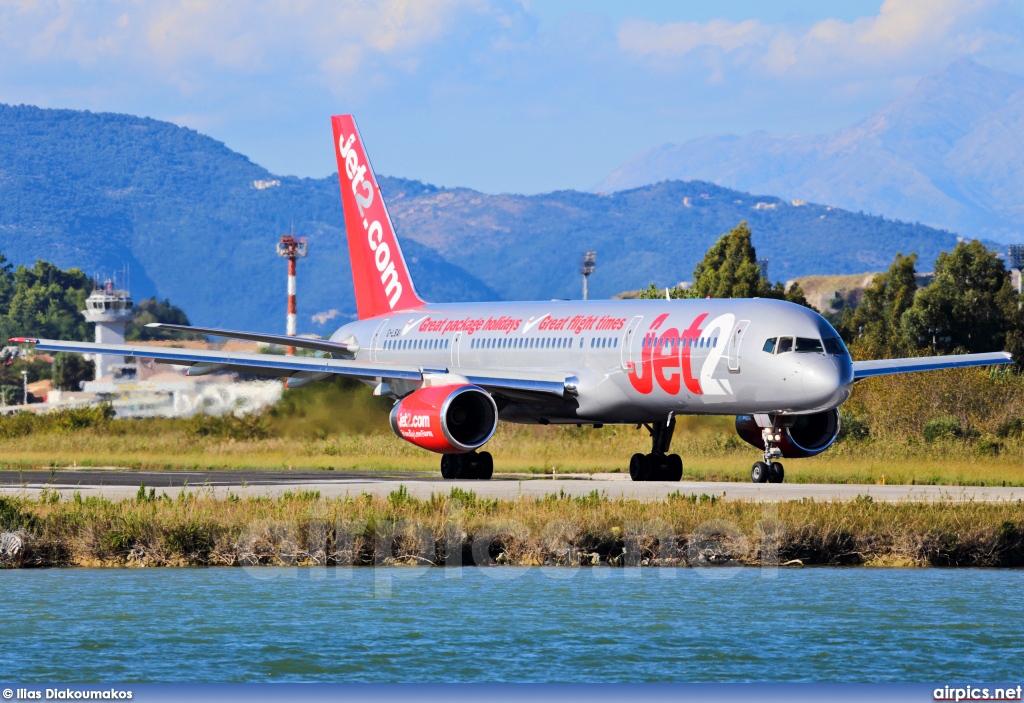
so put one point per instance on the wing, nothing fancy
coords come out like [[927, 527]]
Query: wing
[[299, 370], [279, 339], [883, 367]]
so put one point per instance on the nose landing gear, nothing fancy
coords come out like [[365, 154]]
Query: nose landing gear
[[471, 465], [657, 466], [769, 470]]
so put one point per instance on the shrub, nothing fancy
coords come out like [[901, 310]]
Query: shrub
[[23, 423], [947, 427], [246, 427], [1012, 428], [853, 426], [11, 517], [990, 447]]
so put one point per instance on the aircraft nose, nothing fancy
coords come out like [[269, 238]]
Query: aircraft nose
[[821, 379]]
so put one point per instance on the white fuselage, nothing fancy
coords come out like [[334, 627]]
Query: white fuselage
[[635, 360]]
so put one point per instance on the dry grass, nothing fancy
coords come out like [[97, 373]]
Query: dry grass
[[344, 429], [709, 446], [461, 529]]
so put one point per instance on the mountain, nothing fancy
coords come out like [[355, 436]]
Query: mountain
[[197, 223], [950, 154], [529, 246]]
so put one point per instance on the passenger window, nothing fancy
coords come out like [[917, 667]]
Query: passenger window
[[806, 345], [834, 345], [785, 345], [769, 345]]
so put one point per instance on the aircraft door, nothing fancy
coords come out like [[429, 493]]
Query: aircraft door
[[734, 345], [456, 340], [376, 339], [628, 338]]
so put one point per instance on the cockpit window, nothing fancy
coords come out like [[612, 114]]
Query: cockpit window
[[834, 345], [807, 345], [769, 345], [785, 345]]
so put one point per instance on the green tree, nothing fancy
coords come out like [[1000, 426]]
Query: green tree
[[730, 270], [70, 370], [874, 330], [153, 310], [6, 285], [47, 302], [652, 292], [968, 306]]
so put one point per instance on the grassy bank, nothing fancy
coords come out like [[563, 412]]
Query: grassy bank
[[959, 427], [462, 529]]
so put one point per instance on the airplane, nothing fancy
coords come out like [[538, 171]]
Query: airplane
[[455, 370]]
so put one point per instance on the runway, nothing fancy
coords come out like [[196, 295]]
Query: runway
[[117, 484]]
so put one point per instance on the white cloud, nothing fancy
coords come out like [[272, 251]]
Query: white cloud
[[440, 85], [248, 37], [904, 33], [678, 39]]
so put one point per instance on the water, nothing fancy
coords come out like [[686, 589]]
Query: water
[[503, 624]]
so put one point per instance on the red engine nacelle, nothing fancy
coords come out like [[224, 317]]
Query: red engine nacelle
[[802, 435], [446, 419]]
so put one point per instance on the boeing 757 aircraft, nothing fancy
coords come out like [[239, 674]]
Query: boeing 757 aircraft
[[455, 370]]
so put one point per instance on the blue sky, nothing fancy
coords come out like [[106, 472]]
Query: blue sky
[[499, 95]]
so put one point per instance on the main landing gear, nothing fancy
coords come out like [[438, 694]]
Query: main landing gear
[[471, 465], [657, 466], [769, 470]]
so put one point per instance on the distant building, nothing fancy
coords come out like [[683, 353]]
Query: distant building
[[111, 309], [1015, 262]]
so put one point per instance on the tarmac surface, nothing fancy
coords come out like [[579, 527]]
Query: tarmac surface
[[115, 484]]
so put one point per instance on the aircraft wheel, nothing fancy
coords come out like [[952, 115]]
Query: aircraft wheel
[[449, 466], [485, 466], [469, 465], [637, 467], [759, 472], [776, 473], [675, 468]]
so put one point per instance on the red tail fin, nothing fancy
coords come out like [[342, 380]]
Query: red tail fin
[[381, 278]]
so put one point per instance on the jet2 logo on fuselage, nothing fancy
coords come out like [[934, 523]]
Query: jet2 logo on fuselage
[[667, 358]]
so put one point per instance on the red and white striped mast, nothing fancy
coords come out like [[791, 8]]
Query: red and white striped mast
[[292, 249]]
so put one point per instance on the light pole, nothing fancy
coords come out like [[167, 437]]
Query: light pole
[[587, 268], [291, 248], [24, 384]]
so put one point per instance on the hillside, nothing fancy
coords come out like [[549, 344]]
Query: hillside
[[949, 153], [197, 223]]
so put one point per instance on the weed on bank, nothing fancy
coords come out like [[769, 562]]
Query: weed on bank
[[460, 529]]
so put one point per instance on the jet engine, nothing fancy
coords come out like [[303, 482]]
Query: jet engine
[[802, 435], [446, 419]]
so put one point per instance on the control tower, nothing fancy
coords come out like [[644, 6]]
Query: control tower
[[111, 309]]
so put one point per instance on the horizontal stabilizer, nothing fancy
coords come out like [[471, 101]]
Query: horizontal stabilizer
[[884, 367]]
